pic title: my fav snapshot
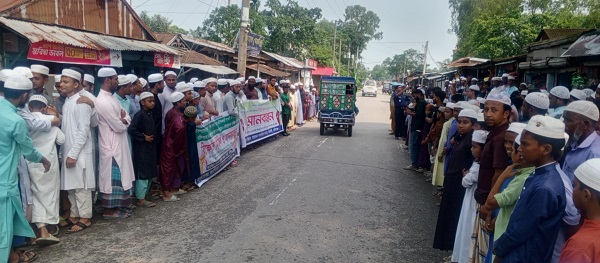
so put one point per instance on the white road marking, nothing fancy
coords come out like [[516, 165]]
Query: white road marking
[[322, 142], [282, 191]]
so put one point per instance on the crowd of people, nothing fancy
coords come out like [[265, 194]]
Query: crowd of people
[[517, 168], [65, 158]]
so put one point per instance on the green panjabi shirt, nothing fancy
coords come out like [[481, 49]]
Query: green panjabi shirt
[[508, 198]]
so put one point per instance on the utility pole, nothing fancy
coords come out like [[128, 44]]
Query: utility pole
[[425, 62], [334, 36], [349, 58], [340, 56], [243, 39]]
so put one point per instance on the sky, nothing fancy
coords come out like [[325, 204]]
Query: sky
[[405, 23]]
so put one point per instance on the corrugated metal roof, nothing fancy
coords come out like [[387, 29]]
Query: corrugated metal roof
[[290, 62], [268, 70], [193, 57], [219, 70], [36, 32], [553, 33], [209, 44]]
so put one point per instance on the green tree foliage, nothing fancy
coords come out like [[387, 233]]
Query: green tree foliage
[[360, 27], [223, 24], [400, 65], [496, 29], [380, 73], [159, 23]]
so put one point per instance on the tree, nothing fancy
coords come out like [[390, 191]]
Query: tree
[[360, 26], [400, 65], [223, 24], [159, 23], [380, 73]]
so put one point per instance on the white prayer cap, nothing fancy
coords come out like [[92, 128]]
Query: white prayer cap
[[18, 82], [5, 73], [480, 136], [589, 92], [499, 97], [71, 74], [282, 81], [560, 92], [518, 139], [89, 78], [473, 79], [170, 73], [123, 80], [538, 100], [441, 109], [588, 173], [516, 127], [546, 126], [195, 95], [106, 72], [480, 117], [474, 103], [445, 101], [505, 75], [241, 79], [132, 78], [209, 80], [183, 87], [461, 104], [259, 80], [192, 80], [474, 87], [143, 82], [481, 100], [23, 71], [222, 82], [156, 77], [411, 106], [146, 95], [234, 82], [463, 78], [39, 98], [292, 87], [177, 96], [57, 78], [199, 84], [585, 108], [469, 113], [578, 94], [450, 105], [524, 93], [496, 78], [511, 78], [313, 89], [40, 69]]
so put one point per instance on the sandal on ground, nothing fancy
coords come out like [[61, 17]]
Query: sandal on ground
[[56, 229], [68, 223], [179, 192], [234, 164], [172, 199], [80, 225], [47, 241], [118, 214], [31, 256], [147, 204]]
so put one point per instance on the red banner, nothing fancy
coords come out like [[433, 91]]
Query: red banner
[[61, 53], [312, 63], [167, 60]]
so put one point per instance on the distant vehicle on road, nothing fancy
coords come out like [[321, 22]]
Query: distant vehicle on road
[[386, 88], [369, 88], [337, 98]]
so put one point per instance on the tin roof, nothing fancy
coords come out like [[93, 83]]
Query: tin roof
[[467, 62], [553, 33], [209, 44], [36, 32], [193, 57], [268, 70], [290, 62]]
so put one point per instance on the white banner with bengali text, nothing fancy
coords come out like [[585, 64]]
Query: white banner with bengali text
[[259, 119]]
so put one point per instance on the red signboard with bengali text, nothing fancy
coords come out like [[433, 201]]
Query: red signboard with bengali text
[[312, 63], [61, 53], [167, 60]]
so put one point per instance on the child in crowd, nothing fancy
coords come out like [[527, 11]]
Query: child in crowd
[[45, 186], [462, 241], [584, 246], [533, 226], [189, 179], [145, 160]]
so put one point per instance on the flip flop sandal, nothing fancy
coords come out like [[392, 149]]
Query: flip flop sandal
[[29, 254], [147, 204], [172, 199], [56, 232], [80, 225], [47, 241], [69, 223], [179, 192]]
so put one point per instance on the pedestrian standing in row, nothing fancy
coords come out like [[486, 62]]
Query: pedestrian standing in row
[[174, 158]]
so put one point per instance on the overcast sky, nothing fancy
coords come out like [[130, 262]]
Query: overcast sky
[[405, 23]]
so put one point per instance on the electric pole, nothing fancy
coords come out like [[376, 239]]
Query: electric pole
[[349, 58], [340, 56], [334, 36], [243, 37], [425, 62]]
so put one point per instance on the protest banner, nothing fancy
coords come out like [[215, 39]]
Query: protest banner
[[259, 119], [218, 146]]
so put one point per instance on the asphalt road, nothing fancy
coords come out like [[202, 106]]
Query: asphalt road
[[302, 198]]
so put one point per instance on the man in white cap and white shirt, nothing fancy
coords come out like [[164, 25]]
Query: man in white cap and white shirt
[[116, 168], [88, 83], [135, 89], [77, 174], [535, 103], [15, 142], [510, 86], [165, 96], [497, 85], [580, 119], [577, 94], [123, 89], [208, 102], [39, 80], [559, 98], [222, 89]]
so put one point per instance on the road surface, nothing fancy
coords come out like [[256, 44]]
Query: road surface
[[302, 198]]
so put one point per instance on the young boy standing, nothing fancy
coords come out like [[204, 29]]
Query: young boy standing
[[286, 109], [534, 224], [584, 246], [45, 185], [143, 132]]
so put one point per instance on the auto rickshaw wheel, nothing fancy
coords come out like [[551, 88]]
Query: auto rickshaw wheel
[[322, 129]]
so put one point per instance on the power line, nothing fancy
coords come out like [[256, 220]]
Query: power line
[[162, 12]]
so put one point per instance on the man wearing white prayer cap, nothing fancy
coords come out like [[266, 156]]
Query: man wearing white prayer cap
[[208, 102], [156, 86], [165, 97], [559, 98], [536, 103], [40, 79], [222, 89], [577, 94], [510, 84], [250, 89], [186, 89], [23, 71], [14, 223], [88, 82], [472, 92], [193, 80], [116, 167]]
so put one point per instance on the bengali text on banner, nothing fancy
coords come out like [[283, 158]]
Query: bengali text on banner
[[259, 119], [61, 53]]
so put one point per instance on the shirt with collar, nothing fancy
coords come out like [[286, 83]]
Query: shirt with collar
[[493, 157], [588, 149], [558, 112], [534, 224]]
